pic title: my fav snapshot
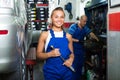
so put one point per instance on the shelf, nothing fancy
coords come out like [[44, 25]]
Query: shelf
[[41, 5], [39, 20]]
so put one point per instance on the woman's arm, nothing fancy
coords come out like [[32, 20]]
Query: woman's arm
[[41, 44], [40, 48], [69, 61]]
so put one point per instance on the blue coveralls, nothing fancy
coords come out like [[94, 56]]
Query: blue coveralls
[[54, 68], [78, 48]]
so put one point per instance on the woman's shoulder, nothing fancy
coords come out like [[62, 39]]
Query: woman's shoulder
[[68, 35], [44, 34]]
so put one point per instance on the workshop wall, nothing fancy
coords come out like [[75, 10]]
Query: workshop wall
[[113, 56], [77, 9], [62, 3]]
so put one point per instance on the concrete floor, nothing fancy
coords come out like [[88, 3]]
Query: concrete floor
[[37, 72], [37, 68]]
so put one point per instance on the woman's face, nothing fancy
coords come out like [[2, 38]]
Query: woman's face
[[58, 18]]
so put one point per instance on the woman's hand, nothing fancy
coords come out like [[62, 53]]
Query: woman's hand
[[68, 63], [54, 53]]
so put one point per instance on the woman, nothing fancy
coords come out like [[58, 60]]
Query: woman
[[53, 44]]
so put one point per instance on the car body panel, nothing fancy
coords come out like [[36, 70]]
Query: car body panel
[[14, 21]]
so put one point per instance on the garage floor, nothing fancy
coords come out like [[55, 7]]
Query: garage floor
[[37, 72], [37, 68]]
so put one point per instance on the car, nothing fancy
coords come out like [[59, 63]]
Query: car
[[15, 39]]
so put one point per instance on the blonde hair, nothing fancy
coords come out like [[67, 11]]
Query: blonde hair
[[57, 9]]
